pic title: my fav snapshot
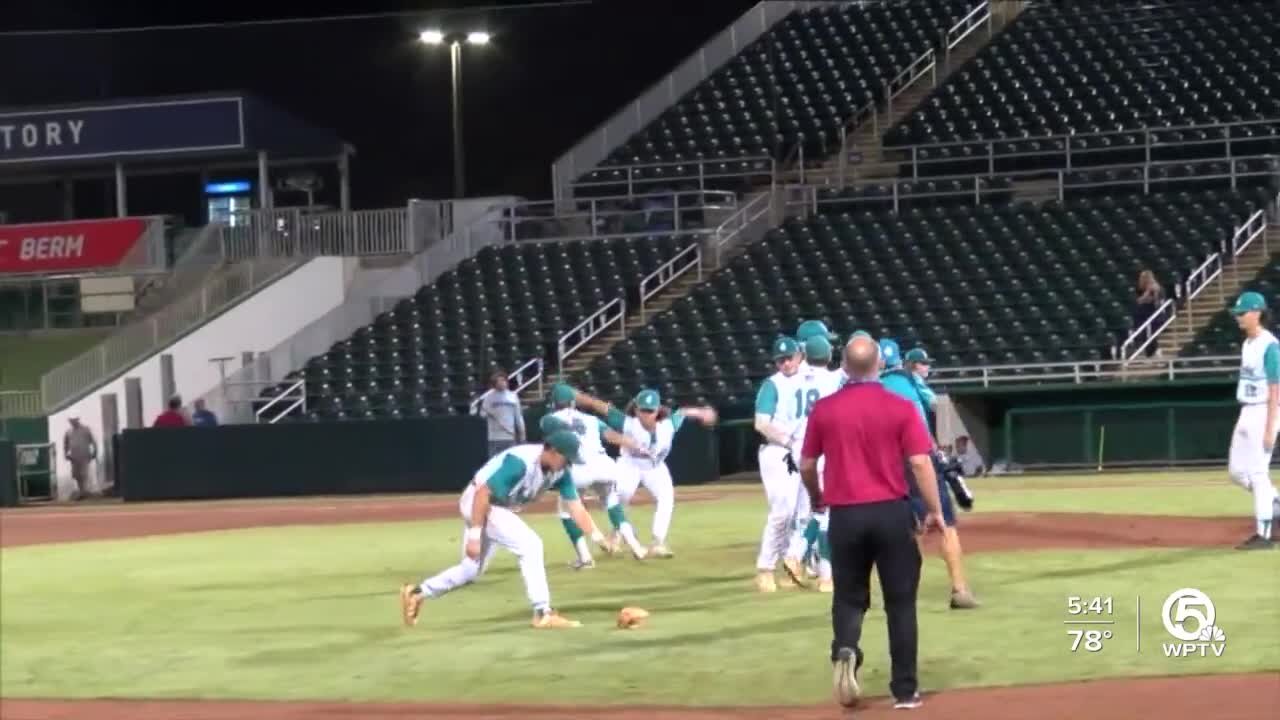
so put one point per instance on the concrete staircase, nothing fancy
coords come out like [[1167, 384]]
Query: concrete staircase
[[1197, 314]]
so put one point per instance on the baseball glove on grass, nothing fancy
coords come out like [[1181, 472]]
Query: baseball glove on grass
[[631, 617]]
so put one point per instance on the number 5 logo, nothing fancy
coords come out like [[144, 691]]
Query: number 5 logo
[[1183, 605]]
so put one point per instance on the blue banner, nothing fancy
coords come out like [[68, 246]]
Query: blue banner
[[120, 131]]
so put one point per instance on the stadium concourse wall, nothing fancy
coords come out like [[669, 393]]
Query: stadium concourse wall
[[437, 454], [258, 323]]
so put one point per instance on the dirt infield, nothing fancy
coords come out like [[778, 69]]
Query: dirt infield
[[1245, 696], [1187, 698]]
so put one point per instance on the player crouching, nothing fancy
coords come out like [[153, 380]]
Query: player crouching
[[506, 483]]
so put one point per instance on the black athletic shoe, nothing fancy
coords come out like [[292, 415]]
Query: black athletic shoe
[[1257, 542], [844, 678]]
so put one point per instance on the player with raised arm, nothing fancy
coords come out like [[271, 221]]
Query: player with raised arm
[[652, 427], [598, 471], [509, 481], [1254, 439]]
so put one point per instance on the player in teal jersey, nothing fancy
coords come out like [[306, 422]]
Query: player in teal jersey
[[911, 386]]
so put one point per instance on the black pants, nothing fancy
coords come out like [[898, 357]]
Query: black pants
[[882, 534]]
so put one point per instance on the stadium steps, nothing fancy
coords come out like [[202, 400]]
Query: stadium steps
[[1176, 339], [867, 142]]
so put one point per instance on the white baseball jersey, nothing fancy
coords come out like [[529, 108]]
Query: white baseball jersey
[[787, 401], [1259, 368], [658, 442], [589, 429], [515, 477]]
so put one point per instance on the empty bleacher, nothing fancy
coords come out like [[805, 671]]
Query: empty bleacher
[[978, 285], [1077, 68], [800, 83]]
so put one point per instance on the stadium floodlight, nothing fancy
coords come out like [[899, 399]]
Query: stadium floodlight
[[431, 37], [455, 41], [478, 38]]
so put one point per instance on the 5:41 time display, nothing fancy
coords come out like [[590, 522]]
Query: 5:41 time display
[[1077, 605]]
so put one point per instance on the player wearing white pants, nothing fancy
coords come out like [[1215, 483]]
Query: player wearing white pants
[[509, 481], [810, 538], [1254, 438], [783, 404], [650, 429], [598, 472]]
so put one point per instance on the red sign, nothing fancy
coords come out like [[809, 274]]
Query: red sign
[[65, 246]]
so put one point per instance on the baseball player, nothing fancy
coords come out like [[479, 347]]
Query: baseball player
[[509, 481], [1254, 439], [909, 383], [598, 471], [813, 537], [652, 427], [783, 404]]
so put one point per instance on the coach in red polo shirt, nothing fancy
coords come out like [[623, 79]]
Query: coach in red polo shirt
[[866, 433]]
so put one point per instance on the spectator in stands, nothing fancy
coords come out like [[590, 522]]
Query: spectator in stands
[[971, 462], [202, 416], [80, 449], [172, 416], [1150, 296], [502, 409]]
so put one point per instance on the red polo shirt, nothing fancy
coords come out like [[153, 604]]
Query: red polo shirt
[[866, 433], [170, 419]]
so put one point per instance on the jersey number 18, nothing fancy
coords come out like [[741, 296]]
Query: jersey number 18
[[805, 401]]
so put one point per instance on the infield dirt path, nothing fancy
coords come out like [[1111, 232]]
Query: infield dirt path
[[1226, 697]]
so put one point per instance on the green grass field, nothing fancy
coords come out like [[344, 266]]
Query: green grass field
[[311, 612]]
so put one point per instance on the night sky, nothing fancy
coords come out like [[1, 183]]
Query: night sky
[[550, 76]]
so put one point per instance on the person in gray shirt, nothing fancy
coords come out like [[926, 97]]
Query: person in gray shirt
[[80, 449], [502, 409]]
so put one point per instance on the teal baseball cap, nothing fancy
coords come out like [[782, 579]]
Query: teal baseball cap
[[890, 352], [918, 355], [648, 400], [550, 424], [562, 394], [565, 443], [785, 347], [1249, 302], [814, 328], [817, 348]]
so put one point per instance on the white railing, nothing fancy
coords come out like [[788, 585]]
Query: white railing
[[927, 62], [615, 215], [132, 343], [1066, 148], [293, 398], [633, 179], [20, 404], [980, 14], [1252, 228], [1147, 331], [294, 232], [527, 374], [359, 309], [652, 284], [747, 216], [1080, 372], [614, 311], [636, 115]]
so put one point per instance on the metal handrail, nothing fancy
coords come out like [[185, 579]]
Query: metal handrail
[[299, 401], [895, 87], [1145, 332], [521, 382], [1199, 279], [296, 232], [595, 212], [592, 326], [748, 214], [667, 272], [968, 24], [20, 404], [1250, 230], [679, 172], [1081, 371]]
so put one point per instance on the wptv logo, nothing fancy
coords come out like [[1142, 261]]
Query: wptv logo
[[1189, 616]]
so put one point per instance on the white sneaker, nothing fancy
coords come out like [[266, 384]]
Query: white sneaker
[[845, 678]]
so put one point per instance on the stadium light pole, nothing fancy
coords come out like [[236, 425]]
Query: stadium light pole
[[455, 41]]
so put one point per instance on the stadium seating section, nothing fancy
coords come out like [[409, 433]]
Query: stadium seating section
[[1222, 336], [801, 82], [1083, 67], [977, 285], [504, 306]]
